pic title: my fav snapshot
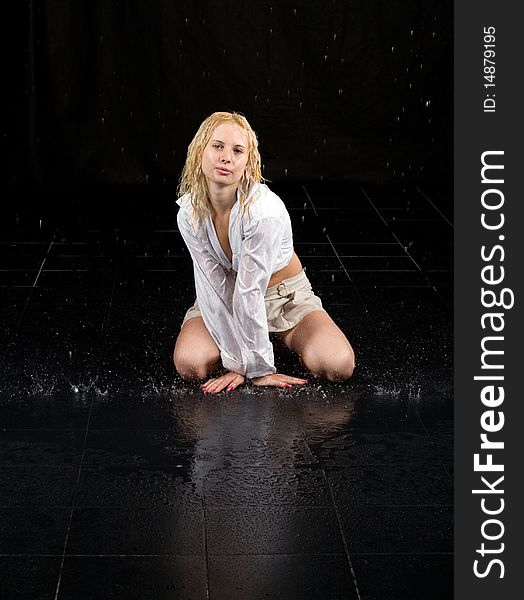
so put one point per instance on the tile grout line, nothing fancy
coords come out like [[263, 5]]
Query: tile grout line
[[366, 311], [422, 272], [339, 522], [73, 499], [435, 207], [81, 464], [206, 555], [22, 312]]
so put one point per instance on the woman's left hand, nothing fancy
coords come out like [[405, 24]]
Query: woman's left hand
[[229, 380]]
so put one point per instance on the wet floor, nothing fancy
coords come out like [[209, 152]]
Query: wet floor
[[118, 480]]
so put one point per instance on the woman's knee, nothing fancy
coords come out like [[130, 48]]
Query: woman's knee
[[331, 365], [193, 366]]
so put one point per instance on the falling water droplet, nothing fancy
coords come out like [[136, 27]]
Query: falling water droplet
[[285, 172], [324, 230], [40, 223], [303, 218], [332, 277], [340, 92], [70, 354]]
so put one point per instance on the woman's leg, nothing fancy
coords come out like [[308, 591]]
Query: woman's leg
[[196, 355], [322, 347]]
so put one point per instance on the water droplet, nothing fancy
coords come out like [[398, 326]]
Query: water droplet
[[412, 32], [303, 218], [392, 48], [340, 91], [285, 172], [294, 12], [324, 230], [332, 277]]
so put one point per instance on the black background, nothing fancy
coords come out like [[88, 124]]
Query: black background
[[112, 92]]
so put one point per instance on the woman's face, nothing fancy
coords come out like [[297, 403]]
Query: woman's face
[[225, 156]]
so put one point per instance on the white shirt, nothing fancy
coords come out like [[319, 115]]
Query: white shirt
[[230, 295]]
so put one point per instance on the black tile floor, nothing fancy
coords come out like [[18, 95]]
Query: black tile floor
[[118, 480]]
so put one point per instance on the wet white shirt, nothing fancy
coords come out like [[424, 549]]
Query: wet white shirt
[[230, 295]]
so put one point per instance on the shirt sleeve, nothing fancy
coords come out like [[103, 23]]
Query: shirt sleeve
[[262, 240], [218, 293]]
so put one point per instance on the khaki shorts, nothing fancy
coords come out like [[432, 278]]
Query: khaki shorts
[[286, 303]]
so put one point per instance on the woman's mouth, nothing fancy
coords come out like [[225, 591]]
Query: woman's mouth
[[223, 171]]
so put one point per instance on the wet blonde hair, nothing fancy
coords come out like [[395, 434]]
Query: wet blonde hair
[[192, 179]]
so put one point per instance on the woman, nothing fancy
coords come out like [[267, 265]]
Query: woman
[[248, 279]]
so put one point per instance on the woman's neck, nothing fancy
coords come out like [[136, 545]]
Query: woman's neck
[[222, 199]]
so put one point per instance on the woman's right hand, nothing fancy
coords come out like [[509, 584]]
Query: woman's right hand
[[278, 380]]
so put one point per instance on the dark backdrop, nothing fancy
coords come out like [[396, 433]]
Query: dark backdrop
[[112, 91]]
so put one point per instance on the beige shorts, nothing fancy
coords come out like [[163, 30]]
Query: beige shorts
[[286, 303]]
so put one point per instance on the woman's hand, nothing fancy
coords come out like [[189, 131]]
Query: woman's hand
[[229, 380], [278, 380]]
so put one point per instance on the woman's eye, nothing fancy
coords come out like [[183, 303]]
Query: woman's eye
[[238, 151]]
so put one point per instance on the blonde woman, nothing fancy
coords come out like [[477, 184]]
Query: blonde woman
[[249, 281]]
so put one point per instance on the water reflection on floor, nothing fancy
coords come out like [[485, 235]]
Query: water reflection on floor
[[121, 481]]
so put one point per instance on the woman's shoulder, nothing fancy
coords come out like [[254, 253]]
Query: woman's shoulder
[[265, 202], [184, 201]]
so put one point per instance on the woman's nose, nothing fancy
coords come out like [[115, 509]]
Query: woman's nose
[[226, 156]]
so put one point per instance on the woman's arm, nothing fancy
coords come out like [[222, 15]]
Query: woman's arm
[[261, 243]]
